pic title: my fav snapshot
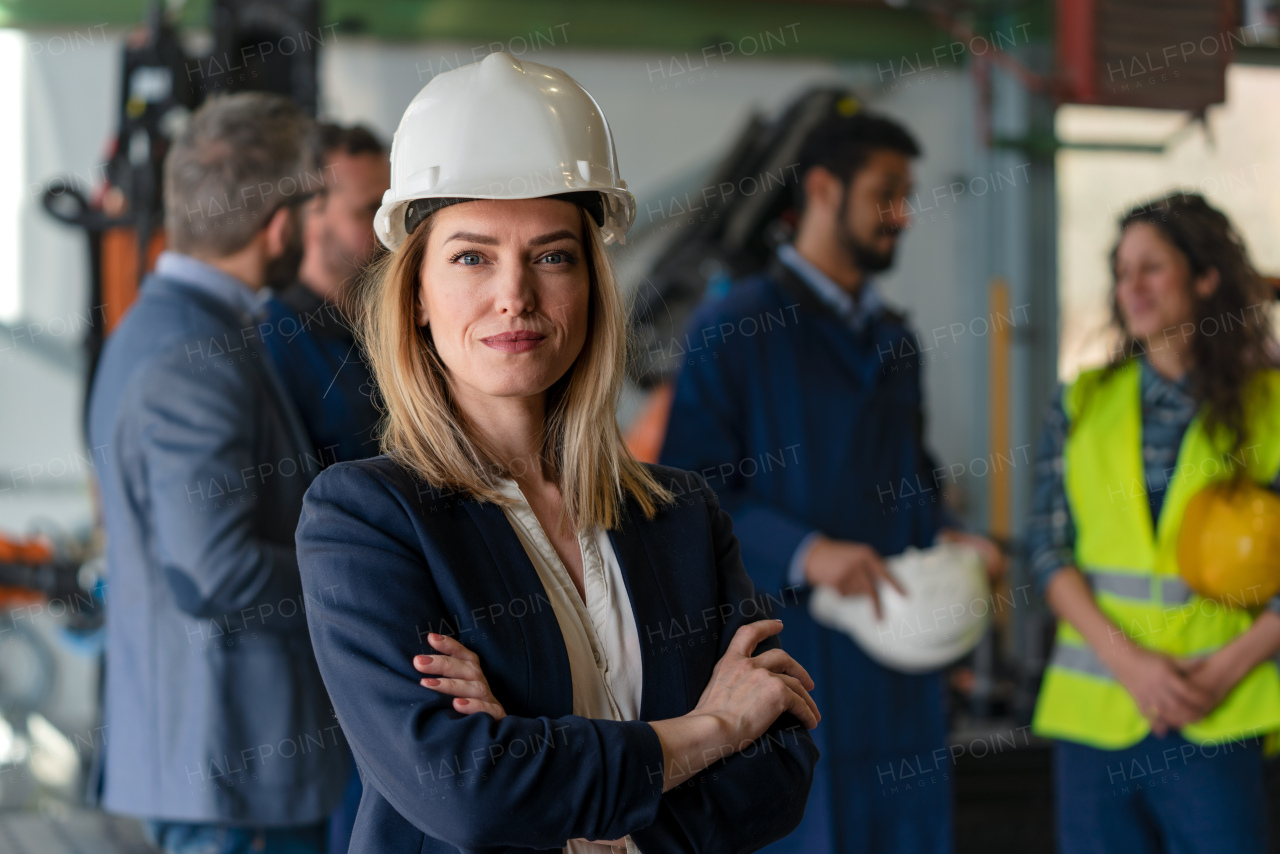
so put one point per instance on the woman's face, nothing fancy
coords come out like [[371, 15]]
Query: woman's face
[[504, 290], [1153, 284]]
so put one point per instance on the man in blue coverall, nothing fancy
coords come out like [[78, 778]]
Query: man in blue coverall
[[311, 342], [802, 406]]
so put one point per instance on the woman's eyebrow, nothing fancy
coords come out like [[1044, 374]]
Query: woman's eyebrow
[[554, 236], [473, 237], [487, 240]]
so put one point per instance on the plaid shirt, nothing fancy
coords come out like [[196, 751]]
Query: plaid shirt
[[1167, 411]]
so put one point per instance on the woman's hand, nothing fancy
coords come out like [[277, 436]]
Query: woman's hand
[[1164, 695], [747, 693], [745, 696], [456, 673], [1161, 691], [1214, 674], [1218, 674]]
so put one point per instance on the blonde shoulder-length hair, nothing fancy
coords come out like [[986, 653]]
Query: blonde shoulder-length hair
[[423, 430]]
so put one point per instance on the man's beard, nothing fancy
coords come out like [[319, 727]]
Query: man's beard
[[282, 270], [867, 258]]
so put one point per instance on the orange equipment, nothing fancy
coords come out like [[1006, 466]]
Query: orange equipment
[[22, 553]]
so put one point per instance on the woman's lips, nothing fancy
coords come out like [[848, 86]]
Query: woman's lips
[[1137, 312], [514, 342]]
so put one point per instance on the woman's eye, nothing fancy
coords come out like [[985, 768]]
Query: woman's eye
[[469, 259], [557, 258]]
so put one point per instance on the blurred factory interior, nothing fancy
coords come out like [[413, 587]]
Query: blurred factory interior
[[1040, 122]]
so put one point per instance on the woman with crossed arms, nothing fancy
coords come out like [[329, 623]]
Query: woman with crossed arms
[[506, 510]]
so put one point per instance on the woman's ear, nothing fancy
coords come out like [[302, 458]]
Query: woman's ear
[[1207, 284], [420, 306]]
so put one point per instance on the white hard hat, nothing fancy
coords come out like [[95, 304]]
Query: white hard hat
[[945, 613], [502, 128]]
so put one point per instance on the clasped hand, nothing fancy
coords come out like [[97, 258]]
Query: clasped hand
[[1172, 693]]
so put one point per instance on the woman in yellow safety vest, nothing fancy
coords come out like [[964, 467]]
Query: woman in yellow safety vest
[[1158, 698]]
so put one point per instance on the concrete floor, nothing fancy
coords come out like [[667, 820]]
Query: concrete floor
[[75, 832]]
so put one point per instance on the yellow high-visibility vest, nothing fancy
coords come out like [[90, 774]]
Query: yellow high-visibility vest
[[1133, 570]]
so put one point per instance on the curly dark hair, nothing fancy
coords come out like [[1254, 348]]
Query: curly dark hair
[[1233, 338]]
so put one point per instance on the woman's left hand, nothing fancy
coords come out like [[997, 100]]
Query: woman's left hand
[[1215, 674], [456, 673], [1218, 673]]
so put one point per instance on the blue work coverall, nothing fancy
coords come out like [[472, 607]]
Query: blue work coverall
[[804, 420]]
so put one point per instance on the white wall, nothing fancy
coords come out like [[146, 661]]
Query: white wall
[[66, 97], [669, 125], [1236, 165], [666, 125], [63, 87]]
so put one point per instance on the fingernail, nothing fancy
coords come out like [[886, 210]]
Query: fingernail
[[463, 702], [431, 682], [422, 659]]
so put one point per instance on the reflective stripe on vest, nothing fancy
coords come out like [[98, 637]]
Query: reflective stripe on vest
[[1127, 585], [1081, 659], [1132, 568]]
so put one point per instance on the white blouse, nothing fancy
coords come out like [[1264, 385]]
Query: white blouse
[[599, 634]]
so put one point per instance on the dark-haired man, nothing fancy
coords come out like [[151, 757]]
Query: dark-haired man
[[220, 732], [310, 337], [311, 341], [802, 427]]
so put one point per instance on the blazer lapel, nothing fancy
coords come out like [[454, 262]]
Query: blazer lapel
[[550, 681], [665, 691]]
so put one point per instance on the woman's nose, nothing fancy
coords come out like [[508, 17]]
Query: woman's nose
[[516, 293]]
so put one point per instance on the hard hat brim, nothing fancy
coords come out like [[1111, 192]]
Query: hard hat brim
[[614, 215]]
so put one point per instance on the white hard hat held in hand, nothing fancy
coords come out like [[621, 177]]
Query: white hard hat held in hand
[[945, 613], [502, 128]]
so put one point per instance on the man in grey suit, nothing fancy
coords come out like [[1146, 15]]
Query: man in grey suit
[[219, 733]]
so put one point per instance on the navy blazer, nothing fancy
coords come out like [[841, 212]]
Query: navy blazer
[[393, 558], [214, 707]]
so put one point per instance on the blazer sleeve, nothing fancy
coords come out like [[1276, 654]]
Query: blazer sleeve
[[527, 782], [704, 436], [757, 795], [202, 481]]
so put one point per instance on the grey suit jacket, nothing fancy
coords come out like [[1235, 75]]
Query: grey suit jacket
[[215, 711]]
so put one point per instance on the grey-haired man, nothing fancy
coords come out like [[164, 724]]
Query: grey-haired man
[[219, 732]]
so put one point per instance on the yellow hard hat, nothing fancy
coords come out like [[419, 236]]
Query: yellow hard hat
[[1229, 545]]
